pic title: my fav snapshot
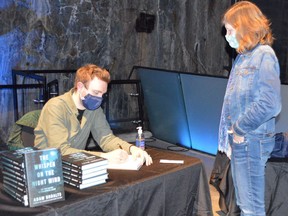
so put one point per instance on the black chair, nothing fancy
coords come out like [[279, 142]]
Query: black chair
[[221, 179], [22, 132]]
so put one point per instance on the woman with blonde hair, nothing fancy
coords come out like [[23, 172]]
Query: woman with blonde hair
[[251, 103]]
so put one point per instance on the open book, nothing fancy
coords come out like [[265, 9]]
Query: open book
[[129, 164]]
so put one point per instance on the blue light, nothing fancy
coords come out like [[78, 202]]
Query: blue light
[[165, 106], [183, 108]]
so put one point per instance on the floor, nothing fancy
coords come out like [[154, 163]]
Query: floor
[[208, 161]]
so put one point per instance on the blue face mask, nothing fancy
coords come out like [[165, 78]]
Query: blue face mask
[[91, 102], [231, 39]]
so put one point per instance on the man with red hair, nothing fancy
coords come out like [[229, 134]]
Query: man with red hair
[[67, 120]]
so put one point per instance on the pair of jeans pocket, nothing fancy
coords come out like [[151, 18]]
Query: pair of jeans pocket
[[232, 141], [267, 146]]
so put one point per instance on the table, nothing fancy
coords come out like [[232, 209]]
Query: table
[[159, 189]]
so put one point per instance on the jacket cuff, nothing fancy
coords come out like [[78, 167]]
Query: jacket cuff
[[237, 130]]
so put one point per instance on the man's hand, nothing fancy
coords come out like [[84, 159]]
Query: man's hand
[[137, 152], [115, 156]]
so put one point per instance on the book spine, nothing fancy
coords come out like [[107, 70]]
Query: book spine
[[84, 176], [85, 181], [17, 187], [85, 165], [71, 179], [74, 169], [16, 156], [72, 165], [14, 172], [21, 198], [12, 166], [18, 183], [71, 183], [11, 175], [83, 172], [9, 160], [82, 186]]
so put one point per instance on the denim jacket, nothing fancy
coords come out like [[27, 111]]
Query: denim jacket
[[252, 99]]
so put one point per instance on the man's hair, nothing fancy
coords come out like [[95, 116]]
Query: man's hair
[[88, 72], [251, 25]]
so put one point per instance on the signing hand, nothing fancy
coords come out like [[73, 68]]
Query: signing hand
[[145, 157], [116, 156]]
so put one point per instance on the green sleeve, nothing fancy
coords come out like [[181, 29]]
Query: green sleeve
[[14, 140], [53, 129], [111, 142]]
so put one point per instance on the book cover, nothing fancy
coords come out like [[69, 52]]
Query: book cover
[[129, 164], [43, 169], [83, 160]]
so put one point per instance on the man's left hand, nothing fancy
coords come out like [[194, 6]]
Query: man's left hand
[[137, 152]]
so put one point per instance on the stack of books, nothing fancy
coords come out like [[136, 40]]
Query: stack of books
[[33, 177], [83, 170]]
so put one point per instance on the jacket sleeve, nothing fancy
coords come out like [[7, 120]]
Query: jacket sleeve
[[54, 129], [104, 136], [111, 142], [14, 140]]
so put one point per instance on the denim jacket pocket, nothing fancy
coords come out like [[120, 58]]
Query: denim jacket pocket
[[246, 78]]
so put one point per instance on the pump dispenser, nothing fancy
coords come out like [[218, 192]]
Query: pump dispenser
[[140, 139]]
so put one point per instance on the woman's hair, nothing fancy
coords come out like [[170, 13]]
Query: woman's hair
[[86, 73], [251, 25]]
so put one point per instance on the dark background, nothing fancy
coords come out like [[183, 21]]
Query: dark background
[[181, 35]]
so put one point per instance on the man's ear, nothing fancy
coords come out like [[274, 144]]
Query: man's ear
[[80, 85]]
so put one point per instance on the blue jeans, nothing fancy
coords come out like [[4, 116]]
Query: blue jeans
[[248, 162]]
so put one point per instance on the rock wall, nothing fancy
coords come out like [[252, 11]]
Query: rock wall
[[66, 34]]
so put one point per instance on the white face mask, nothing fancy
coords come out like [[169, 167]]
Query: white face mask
[[231, 39]]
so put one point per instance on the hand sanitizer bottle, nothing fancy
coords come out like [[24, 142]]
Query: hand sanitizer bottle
[[140, 139]]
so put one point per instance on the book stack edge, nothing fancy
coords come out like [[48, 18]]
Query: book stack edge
[[83, 170]]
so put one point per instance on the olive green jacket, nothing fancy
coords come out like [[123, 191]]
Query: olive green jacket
[[28, 121], [59, 127]]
